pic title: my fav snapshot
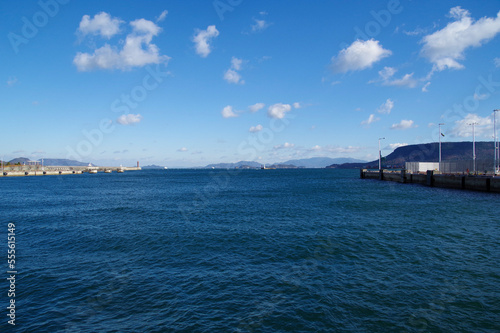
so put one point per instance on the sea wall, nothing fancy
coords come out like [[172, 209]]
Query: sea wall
[[21, 171], [457, 181]]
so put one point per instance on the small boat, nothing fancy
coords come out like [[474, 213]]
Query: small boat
[[93, 171], [107, 171]]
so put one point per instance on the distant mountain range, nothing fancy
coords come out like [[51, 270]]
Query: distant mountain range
[[314, 162], [49, 162], [321, 162], [240, 164], [153, 166]]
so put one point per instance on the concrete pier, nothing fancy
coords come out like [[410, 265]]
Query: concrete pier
[[452, 181], [26, 170]]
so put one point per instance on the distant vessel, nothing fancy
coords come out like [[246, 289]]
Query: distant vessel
[[107, 171], [166, 168], [93, 171]]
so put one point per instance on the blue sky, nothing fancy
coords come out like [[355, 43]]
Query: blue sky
[[181, 83]]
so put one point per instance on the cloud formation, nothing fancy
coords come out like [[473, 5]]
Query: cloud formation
[[278, 110], [386, 77], [359, 55], [202, 40], [129, 119], [260, 25], [403, 125], [255, 129], [284, 146], [162, 16], [231, 75], [228, 112], [137, 50], [444, 48], [101, 24], [256, 107], [386, 107], [371, 119], [463, 127]]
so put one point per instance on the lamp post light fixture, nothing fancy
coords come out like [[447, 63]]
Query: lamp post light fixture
[[473, 146], [379, 154], [496, 157], [440, 134]]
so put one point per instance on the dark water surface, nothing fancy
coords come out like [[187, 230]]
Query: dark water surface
[[249, 251]]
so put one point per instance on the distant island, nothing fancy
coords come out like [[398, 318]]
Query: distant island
[[313, 162]]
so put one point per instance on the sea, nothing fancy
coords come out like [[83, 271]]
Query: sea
[[302, 250]]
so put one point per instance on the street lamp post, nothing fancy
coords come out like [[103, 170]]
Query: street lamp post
[[495, 144], [379, 154], [440, 144], [473, 147]]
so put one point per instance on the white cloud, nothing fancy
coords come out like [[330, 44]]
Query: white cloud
[[137, 51], [297, 105], [387, 73], [445, 47], [403, 125], [278, 110], [316, 148], [228, 112], [236, 63], [162, 16], [416, 32], [182, 150], [260, 25], [129, 119], [393, 146], [102, 24], [255, 129], [386, 107], [424, 88], [386, 77], [256, 107], [483, 127], [359, 55], [371, 119], [203, 38], [497, 62], [233, 76], [284, 146]]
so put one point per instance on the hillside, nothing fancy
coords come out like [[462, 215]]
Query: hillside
[[429, 152]]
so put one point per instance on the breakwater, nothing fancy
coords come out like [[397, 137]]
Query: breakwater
[[432, 179], [20, 171]]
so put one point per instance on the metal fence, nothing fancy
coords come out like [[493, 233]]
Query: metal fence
[[482, 166]]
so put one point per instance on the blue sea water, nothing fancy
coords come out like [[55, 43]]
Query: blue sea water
[[249, 251]]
